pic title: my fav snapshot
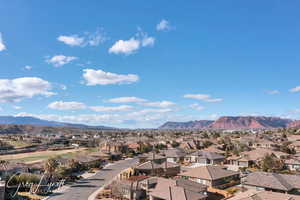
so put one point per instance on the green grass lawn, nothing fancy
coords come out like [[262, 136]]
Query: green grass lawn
[[45, 157]]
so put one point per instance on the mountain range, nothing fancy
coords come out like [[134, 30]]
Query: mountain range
[[7, 120], [236, 122]]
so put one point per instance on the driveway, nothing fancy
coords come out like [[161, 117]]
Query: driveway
[[82, 189]]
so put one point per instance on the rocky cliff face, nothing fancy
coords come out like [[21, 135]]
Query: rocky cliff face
[[294, 124], [239, 122], [249, 123]]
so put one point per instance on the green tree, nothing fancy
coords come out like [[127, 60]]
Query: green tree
[[271, 164]]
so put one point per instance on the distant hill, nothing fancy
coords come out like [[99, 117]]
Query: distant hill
[[7, 120], [187, 125], [294, 124], [238, 122]]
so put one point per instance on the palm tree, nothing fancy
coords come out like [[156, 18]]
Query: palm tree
[[50, 167]]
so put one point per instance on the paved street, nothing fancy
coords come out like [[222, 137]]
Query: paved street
[[84, 188]]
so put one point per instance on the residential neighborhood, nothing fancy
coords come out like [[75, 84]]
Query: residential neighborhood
[[236, 165], [149, 100]]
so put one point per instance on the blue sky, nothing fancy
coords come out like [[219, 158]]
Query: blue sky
[[140, 63]]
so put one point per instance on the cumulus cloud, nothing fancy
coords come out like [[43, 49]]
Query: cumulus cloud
[[161, 104], [295, 89], [13, 90], [70, 105], [125, 46], [272, 92], [60, 60], [126, 100], [111, 108], [87, 39], [130, 46], [99, 77], [163, 25], [2, 45], [203, 97], [72, 40]]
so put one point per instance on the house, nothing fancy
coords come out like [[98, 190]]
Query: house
[[206, 158], [164, 168], [273, 182], [169, 189], [151, 157], [296, 145], [89, 161], [214, 149], [292, 164], [247, 159], [263, 143], [189, 145], [174, 155], [263, 195], [112, 147], [212, 176], [130, 188]]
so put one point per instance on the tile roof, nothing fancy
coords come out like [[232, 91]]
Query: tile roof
[[174, 153], [209, 172], [148, 165], [264, 195], [180, 189], [208, 155], [273, 181]]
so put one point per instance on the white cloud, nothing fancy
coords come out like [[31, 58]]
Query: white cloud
[[17, 107], [13, 90], [271, 92], [148, 41], [71, 105], [111, 109], [161, 104], [296, 89], [203, 97], [127, 100], [130, 46], [27, 67], [87, 39], [83, 118], [99, 77], [2, 45], [148, 111], [72, 40], [94, 39], [125, 46], [163, 25], [196, 107], [60, 60]]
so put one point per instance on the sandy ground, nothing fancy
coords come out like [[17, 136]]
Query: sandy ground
[[39, 154]]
